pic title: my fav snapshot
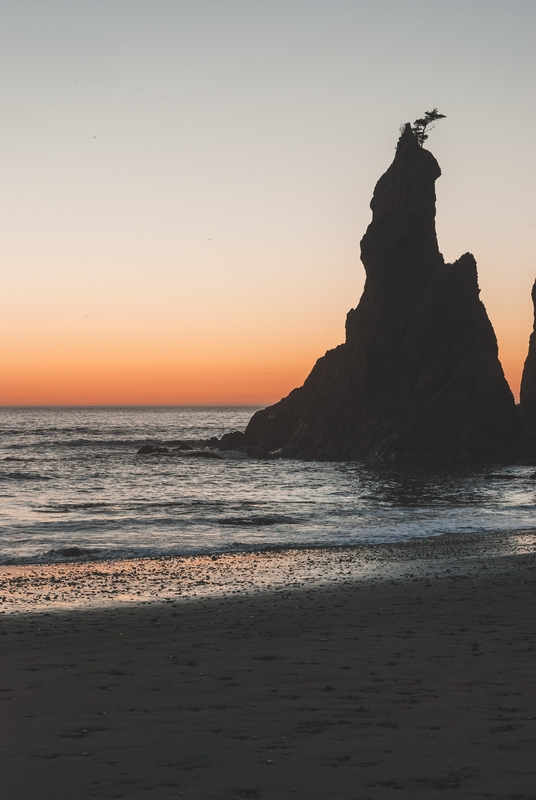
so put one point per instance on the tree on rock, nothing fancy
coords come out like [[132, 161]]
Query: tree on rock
[[420, 125]]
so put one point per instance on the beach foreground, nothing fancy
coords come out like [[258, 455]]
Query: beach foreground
[[398, 687]]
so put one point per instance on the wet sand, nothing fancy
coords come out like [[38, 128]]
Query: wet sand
[[95, 583], [351, 686]]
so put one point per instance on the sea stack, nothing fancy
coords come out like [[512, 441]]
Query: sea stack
[[527, 398], [419, 373]]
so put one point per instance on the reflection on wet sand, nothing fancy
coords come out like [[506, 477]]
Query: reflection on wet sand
[[84, 584]]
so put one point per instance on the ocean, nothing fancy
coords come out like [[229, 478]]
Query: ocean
[[71, 478]]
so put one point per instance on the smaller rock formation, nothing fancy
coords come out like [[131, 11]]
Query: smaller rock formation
[[527, 405], [152, 450]]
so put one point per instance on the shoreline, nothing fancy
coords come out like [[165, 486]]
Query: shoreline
[[106, 583], [417, 682]]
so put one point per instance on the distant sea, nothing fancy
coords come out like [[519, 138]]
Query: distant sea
[[71, 478]]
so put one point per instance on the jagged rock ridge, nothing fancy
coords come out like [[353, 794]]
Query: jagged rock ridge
[[418, 374], [528, 383]]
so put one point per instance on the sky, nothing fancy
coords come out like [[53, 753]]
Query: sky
[[185, 183]]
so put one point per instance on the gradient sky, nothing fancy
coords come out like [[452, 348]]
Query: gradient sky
[[186, 182]]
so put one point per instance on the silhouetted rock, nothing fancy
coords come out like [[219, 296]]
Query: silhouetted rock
[[151, 449], [419, 374], [527, 398], [71, 552], [232, 441]]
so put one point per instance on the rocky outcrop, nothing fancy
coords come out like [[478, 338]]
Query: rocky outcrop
[[527, 397], [418, 374]]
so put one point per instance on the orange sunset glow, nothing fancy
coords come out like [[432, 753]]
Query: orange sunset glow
[[140, 384], [111, 376]]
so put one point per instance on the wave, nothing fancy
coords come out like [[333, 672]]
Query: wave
[[81, 442], [256, 520], [69, 553], [65, 508], [23, 476], [73, 553]]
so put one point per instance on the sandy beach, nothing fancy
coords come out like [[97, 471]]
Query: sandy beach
[[374, 673]]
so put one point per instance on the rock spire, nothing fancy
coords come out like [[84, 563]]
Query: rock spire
[[418, 374]]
